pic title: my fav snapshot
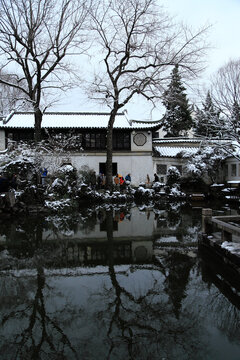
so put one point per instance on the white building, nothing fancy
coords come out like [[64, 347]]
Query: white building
[[132, 140], [138, 147], [167, 153]]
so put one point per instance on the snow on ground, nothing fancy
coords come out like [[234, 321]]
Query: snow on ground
[[234, 248]]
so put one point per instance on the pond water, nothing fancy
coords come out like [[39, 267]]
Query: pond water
[[114, 283]]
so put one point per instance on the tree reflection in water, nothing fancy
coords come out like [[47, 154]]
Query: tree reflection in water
[[155, 310], [42, 337], [148, 318]]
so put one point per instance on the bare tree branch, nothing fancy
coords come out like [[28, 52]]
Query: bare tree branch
[[35, 37], [139, 44]]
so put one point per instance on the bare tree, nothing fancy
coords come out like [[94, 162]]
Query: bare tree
[[139, 45], [226, 86], [35, 37], [9, 96], [226, 97]]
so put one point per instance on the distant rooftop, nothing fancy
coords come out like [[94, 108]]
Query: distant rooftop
[[171, 151], [25, 120], [176, 140]]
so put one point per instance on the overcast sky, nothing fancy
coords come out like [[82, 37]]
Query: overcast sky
[[223, 15]]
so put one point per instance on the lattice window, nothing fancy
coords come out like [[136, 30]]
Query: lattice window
[[161, 169]]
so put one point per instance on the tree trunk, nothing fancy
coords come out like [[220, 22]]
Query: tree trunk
[[109, 181], [37, 125]]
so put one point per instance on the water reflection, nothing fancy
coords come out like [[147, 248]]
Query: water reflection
[[112, 284], [30, 330], [82, 238]]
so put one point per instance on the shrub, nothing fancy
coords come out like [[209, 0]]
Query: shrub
[[173, 176]]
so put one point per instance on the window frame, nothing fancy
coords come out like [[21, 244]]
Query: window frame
[[157, 169]]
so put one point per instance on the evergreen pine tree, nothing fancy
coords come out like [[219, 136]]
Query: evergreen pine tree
[[207, 120], [177, 119]]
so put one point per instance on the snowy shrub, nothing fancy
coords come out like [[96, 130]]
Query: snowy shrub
[[58, 205], [142, 194], [67, 173], [156, 186], [65, 182], [191, 184], [86, 174], [57, 185], [173, 176], [205, 162], [23, 162], [31, 196], [176, 192]]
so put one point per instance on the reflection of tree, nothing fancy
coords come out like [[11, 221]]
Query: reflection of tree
[[177, 220], [224, 302], [176, 281], [42, 336], [144, 323], [226, 316], [65, 224], [131, 313], [173, 217], [23, 235]]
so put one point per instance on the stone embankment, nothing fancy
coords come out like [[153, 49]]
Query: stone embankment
[[220, 238]]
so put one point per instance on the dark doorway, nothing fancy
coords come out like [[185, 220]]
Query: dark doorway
[[102, 168]]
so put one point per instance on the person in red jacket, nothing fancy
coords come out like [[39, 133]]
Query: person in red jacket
[[121, 182]]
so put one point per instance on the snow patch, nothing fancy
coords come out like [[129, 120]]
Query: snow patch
[[234, 248]]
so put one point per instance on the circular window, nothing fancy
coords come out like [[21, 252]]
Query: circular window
[[139, 139]]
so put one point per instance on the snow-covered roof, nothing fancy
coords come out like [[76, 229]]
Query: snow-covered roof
[[176, 140], [25, 120], [173, 151]]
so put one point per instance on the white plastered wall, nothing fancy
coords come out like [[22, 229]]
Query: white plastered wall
[[2, 140], [138, 164], [148, 144]]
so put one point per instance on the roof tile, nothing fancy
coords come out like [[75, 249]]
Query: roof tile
[[74, 120]]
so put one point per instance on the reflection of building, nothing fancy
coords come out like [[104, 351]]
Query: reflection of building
[[135, 227], [95, 253], [177, 225], [132, 239]]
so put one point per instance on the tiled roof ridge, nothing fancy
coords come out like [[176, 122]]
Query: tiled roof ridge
[[67, 113], [146, 121], [177, 139], [55, 119]]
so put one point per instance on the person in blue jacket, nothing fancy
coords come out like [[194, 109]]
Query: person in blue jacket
[[128, 179], [43, 172]]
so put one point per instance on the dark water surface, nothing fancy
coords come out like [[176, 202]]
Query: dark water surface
[[114, 283]]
